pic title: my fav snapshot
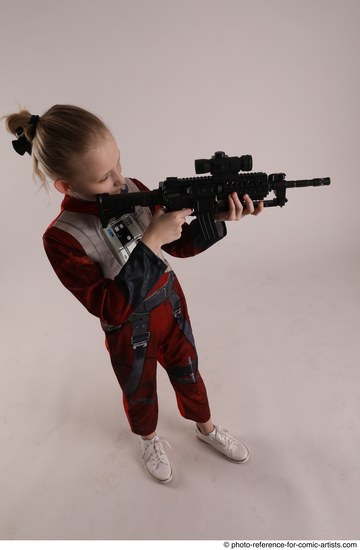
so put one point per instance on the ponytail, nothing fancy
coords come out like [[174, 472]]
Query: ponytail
[[55, 139]]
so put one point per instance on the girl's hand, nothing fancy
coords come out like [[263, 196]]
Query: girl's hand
[[237, 210], [165, 227]]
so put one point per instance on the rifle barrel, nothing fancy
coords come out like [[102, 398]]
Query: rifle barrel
[[308, 183]]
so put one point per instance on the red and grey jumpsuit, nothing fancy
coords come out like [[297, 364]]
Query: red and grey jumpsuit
[[140, 304]]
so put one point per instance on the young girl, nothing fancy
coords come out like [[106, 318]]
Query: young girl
[[120, 273]]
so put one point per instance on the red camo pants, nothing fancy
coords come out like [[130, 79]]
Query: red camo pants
[[169, 346]]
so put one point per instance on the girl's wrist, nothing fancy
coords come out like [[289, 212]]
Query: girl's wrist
[[151, 242]]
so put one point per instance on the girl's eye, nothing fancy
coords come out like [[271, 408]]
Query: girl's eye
[[104, 178]]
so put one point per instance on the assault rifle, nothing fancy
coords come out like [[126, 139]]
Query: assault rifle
[[207, 195]]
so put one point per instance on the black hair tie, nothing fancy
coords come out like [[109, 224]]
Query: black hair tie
[[22, 145], [34, 122]]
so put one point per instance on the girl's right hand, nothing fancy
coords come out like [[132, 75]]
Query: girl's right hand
[[164, 228]]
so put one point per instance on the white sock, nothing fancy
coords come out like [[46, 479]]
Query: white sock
[[148, 441]]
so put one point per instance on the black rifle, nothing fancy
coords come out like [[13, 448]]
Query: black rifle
[[207, 195]]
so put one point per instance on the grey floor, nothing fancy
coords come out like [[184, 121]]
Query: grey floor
[[279, 348], [275, 307]]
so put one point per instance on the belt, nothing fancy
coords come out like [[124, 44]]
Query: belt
[[157, 298]]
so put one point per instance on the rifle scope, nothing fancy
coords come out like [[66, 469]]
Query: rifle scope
[[223, 164]]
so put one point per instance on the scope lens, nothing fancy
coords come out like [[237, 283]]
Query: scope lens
[[202, 166], [246, 163]]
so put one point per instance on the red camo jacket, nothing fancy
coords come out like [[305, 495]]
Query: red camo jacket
[[114, 300]]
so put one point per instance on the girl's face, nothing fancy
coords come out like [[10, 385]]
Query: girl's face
[[98, 171]]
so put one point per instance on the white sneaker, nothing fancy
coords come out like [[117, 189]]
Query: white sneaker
[[225, 443], [155, 459]]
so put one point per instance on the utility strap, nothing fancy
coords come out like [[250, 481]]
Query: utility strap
[[141, 335]]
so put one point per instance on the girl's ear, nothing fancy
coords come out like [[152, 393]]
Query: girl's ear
[[62, 186]]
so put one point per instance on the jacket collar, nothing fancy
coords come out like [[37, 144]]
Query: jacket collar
[[76, 205]]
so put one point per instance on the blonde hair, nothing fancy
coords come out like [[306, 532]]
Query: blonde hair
[[63, 133]]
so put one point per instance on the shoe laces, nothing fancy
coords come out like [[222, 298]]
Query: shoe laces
[[222, 436], [156, 451]]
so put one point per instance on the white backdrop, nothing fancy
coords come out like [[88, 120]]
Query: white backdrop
[[274, 307]]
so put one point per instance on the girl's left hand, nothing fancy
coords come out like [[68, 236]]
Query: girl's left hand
[[237, 210]]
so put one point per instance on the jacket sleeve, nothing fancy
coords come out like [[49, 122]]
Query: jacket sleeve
[[192, 241], [112, 301]]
